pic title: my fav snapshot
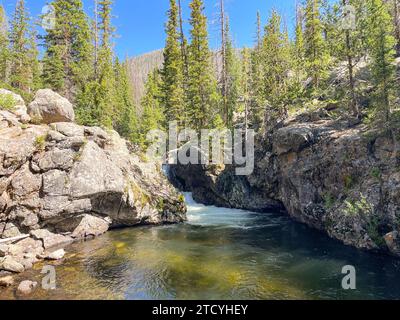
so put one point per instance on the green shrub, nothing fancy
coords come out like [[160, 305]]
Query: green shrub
[[40, 142], [360, 207], [143, 157], [181, 198], [329, 200], [160, 205], [348, 182], [373, 231], [351, 209], [376, 173], [36, 120], [7, 102]]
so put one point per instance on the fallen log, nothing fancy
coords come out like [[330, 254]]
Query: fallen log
[[13, 239]]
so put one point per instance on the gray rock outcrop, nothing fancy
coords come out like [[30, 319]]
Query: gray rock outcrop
[[50, 107], [64, 182], [338, 176], [14, 113]]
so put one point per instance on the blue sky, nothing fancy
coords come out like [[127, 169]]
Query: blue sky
[[140, 24]]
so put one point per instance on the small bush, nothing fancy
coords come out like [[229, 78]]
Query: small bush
[[40, 142], [360, 207], [373, 231], [160, 205], [181, 198], [36, 120], [348, 182], [7, 102], [329, 201], [139, 195], [376, 173], [143, 157]]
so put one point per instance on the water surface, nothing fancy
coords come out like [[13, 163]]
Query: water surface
[[219, 254]]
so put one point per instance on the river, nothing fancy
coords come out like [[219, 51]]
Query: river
[[218, 254]]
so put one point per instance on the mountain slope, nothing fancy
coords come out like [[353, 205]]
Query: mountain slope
[[139, 69]]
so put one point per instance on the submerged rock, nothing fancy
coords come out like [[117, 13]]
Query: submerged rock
[[91, 226], [56, 255], [6, 281], [392, 240], [10, 264], [49, 239], [26, 287]]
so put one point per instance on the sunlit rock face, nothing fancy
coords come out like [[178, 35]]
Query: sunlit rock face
[[60, 182], [339, 176]]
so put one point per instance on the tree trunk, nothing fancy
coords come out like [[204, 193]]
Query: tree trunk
[[350, 68], [96, 38], [396, 9], [224, 71], [182, 34]]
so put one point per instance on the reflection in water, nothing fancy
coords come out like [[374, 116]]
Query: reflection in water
[[218, 254]]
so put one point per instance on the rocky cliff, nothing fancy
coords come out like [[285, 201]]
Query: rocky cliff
[[340, 176], [61, 182]]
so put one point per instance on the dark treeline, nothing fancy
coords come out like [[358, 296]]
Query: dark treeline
[[319, 65]]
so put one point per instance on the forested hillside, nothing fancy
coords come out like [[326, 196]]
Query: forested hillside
[[141, 66], [139, 69], [341, 54]]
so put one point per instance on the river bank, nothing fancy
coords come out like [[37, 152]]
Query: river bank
[[335, 174], [61, 182], [218, 254]]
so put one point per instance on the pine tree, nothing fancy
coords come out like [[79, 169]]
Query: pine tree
[[299, 35], [317, 58], [229, 78], [126, 124], [276, 55], [259, 34], [351, 48], [4, 50], [257, 99], [230, 97], [173, 70], [106, 79], [394, 6], [223, 81], [34, 62], [67, 65], [298, 60], [330, 20], [202, 94], [381, 43], [184, 45], [153, 116], [95, 24], [245, 86], [22, 53]]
